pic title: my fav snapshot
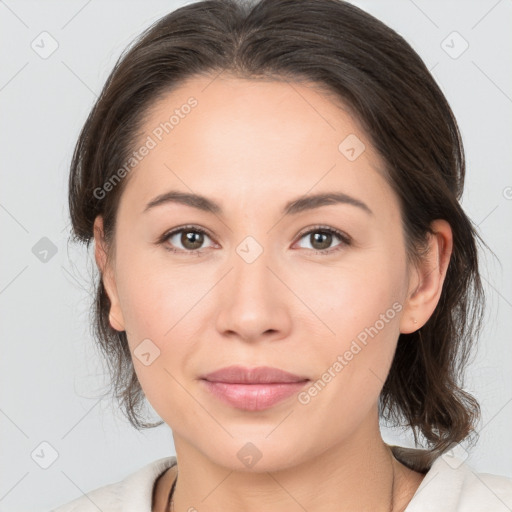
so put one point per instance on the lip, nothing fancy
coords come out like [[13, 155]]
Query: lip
[[237, 374], [253, 389]]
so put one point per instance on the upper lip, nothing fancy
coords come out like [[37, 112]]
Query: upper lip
[[259, 375]]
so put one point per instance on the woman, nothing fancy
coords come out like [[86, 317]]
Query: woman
[[273, 193]]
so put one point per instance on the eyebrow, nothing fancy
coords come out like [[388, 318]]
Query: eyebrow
[[293, 207]]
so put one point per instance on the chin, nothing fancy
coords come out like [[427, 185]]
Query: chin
[[256, 454]]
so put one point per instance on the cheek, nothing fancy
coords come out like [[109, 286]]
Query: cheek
[[155, 311], [362, 306], [154, 296], [162, 311], [354, 295], [353, 364]]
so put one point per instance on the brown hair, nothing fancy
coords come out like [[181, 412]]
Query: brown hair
[[376, 74]]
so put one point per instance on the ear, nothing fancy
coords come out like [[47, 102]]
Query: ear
[[427, 280], [107, 274]]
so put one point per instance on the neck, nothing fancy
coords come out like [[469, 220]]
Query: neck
[[357, 474]]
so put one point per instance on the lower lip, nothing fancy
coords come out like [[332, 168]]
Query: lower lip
[[253, 397]]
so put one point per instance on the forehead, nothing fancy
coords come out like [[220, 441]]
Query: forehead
[[223, 136]]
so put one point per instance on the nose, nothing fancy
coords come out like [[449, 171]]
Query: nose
[[254, 303]]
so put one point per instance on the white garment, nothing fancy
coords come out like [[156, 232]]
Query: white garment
[[450, 485]]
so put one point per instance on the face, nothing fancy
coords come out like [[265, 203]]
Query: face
[[316, 290]]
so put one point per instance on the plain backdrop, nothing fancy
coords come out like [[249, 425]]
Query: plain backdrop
[[57, 438]]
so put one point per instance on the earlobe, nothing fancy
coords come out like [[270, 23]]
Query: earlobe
[[100, 255], [430, 277]]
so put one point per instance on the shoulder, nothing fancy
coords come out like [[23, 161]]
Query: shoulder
[[486, 489], [105, 498], [452, 485], [133, 493]]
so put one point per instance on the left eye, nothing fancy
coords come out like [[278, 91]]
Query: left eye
[[323, 238]]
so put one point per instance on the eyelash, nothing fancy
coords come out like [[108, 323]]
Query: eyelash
[[345, 239]]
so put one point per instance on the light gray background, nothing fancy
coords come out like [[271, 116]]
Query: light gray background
[[51, 373]]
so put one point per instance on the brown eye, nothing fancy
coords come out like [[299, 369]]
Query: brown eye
[[191, 239], [321, 238], [187, 239]]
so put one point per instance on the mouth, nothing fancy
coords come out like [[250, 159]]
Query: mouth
[[253, 389]]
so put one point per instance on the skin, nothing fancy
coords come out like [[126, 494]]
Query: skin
[[252, 146]]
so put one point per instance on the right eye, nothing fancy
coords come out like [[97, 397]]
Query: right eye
[[190, 237]]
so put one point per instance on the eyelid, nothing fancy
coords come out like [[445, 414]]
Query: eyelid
[[190, 227], [345, 239], [321, 227]]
